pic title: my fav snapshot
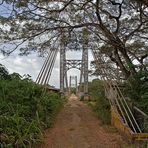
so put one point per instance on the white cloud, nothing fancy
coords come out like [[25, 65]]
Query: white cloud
[[32, 64], [24, 65]]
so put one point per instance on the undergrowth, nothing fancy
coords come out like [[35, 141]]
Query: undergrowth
[[25, 111], [136, 88], [101, 106]]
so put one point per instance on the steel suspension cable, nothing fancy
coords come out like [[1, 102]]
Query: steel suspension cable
[[119, 91], [108, 82], [51, 67], [119, 98], [43, 68], [46, 68], [120, 95]]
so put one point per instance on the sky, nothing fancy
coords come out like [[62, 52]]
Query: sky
[[32, 64]]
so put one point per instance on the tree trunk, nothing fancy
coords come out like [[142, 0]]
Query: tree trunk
[[120, 46], [121, 65], [132, 70]]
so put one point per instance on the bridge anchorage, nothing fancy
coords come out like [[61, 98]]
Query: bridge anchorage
[[65, 65]]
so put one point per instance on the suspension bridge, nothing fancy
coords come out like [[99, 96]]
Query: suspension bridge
[[122, 116], [65, 65]]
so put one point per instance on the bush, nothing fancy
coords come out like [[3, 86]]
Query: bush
[[82, 98], [26, 109], [137, 90], [102, 106], [4, 74]]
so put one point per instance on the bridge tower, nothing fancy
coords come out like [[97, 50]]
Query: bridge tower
[[65, 65], [81, 65]]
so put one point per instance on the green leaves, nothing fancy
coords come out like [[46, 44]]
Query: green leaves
[[102, 106], [25, 112], [86, 33], [3, 72], [137, 90], [22, 3]]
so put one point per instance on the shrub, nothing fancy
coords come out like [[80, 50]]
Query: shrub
[[4, 74], [102, 106], [26, 109], [137, 90]]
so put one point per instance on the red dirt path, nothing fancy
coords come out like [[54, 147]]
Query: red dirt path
[[76, 126]]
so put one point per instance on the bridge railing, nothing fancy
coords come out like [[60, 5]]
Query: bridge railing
[[122, 115]]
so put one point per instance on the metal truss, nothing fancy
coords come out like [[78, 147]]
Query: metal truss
[[81, 65], [65, 65], [73, 64]]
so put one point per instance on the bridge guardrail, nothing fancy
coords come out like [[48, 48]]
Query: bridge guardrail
[[117, 121]]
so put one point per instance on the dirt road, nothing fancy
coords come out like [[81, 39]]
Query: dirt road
[[76, 126]]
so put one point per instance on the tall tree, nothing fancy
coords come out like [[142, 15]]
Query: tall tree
[[3, 72], [115, 27], [143, 1]]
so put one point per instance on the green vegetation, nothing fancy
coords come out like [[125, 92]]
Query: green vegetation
[[3, 72], [101, 105], [73, 90], [137, 90], [82, 98], [26, 110]]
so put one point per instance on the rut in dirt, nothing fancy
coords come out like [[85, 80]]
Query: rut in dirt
[[76, 126]]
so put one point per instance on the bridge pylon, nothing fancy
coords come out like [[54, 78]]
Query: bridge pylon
[[82, 65]]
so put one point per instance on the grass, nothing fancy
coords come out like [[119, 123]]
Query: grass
[[99, 103], [138, 144], [26, 110], [110, 128]]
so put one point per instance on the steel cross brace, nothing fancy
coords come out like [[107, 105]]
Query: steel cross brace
[[81, 65]]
